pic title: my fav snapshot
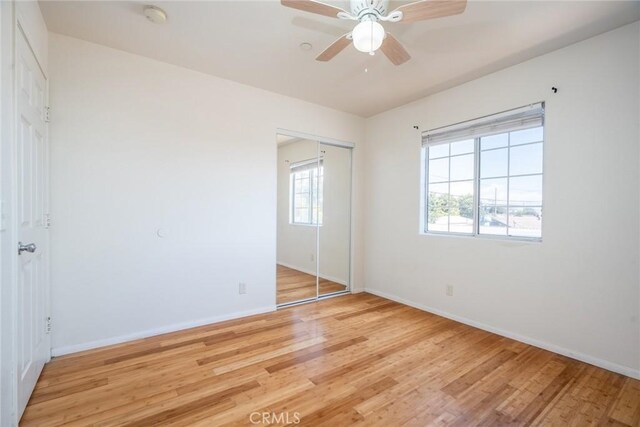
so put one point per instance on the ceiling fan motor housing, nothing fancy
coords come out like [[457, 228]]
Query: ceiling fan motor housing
[[369, 9]]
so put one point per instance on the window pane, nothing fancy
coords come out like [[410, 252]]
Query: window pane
[[438, 209], [301, 185], [525, 191], [527, 135], [494, 141], [461, 207], [526, 159], [303, 174], [493, 163], [301, 216], [463, 188], [461, 201], [493, 220], [318, 201], [525, 222], [314, 188], [493, 192], [441, 224], [439, 170], [441, 150], [461, 167], [302, 201], [462, 147], [460, 224], [319, 191]]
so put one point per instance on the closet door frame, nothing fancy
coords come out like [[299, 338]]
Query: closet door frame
[[320, 140]]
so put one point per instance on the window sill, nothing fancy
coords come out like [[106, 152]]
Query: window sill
[[503, 239]]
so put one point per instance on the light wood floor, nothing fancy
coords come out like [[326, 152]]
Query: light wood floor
[[353, 360], [293, 285]]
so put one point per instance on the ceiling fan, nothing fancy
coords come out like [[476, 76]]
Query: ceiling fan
[[369, 35]]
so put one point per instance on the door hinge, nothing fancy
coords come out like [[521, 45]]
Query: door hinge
[[48, 325], [47, 220], [47, 114]]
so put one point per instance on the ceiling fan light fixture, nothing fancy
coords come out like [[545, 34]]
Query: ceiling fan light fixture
[[368, 36]]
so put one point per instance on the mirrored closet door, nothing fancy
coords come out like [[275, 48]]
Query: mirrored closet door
[[313, 219], [334, 232]]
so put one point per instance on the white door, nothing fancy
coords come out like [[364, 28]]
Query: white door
[[33, 343]]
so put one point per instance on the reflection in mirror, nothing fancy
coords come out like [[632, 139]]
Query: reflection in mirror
[[334, 232], [299, 213]]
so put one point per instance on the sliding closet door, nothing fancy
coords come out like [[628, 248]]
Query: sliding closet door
[[298, 215], [334, 228]]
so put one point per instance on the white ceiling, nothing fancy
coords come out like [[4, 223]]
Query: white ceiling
[[257, 43]]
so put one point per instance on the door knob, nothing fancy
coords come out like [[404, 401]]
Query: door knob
[[31, 247]]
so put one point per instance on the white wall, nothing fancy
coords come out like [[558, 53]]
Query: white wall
[[577, 292], [139, 145], [31, 21], [297, 245]]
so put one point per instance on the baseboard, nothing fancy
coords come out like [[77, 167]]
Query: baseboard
[[313, 273], [610, 366], [61, 351]]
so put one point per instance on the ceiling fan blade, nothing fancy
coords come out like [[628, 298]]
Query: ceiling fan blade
[[393, 50], [335, 48], [313, 7], [429, 9]]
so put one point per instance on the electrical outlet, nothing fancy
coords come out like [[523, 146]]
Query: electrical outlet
[[450, 290], [313, 257], [242, 288]]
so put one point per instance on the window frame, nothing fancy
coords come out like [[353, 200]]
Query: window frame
[[477, 181], [316, 174]]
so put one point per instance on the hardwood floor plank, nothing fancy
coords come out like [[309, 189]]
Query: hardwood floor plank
[[353, 360], [302, 356], [246, 349], [67, 391], [626, 409], [470, 378], [268, 356], [135, 355], [221, 398], [517, 402], [561, 383], [343, 409]]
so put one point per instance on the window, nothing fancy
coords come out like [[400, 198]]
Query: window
[[306, 192], [484, 177]]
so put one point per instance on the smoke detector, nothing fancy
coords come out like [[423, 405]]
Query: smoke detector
[[155, 14]]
